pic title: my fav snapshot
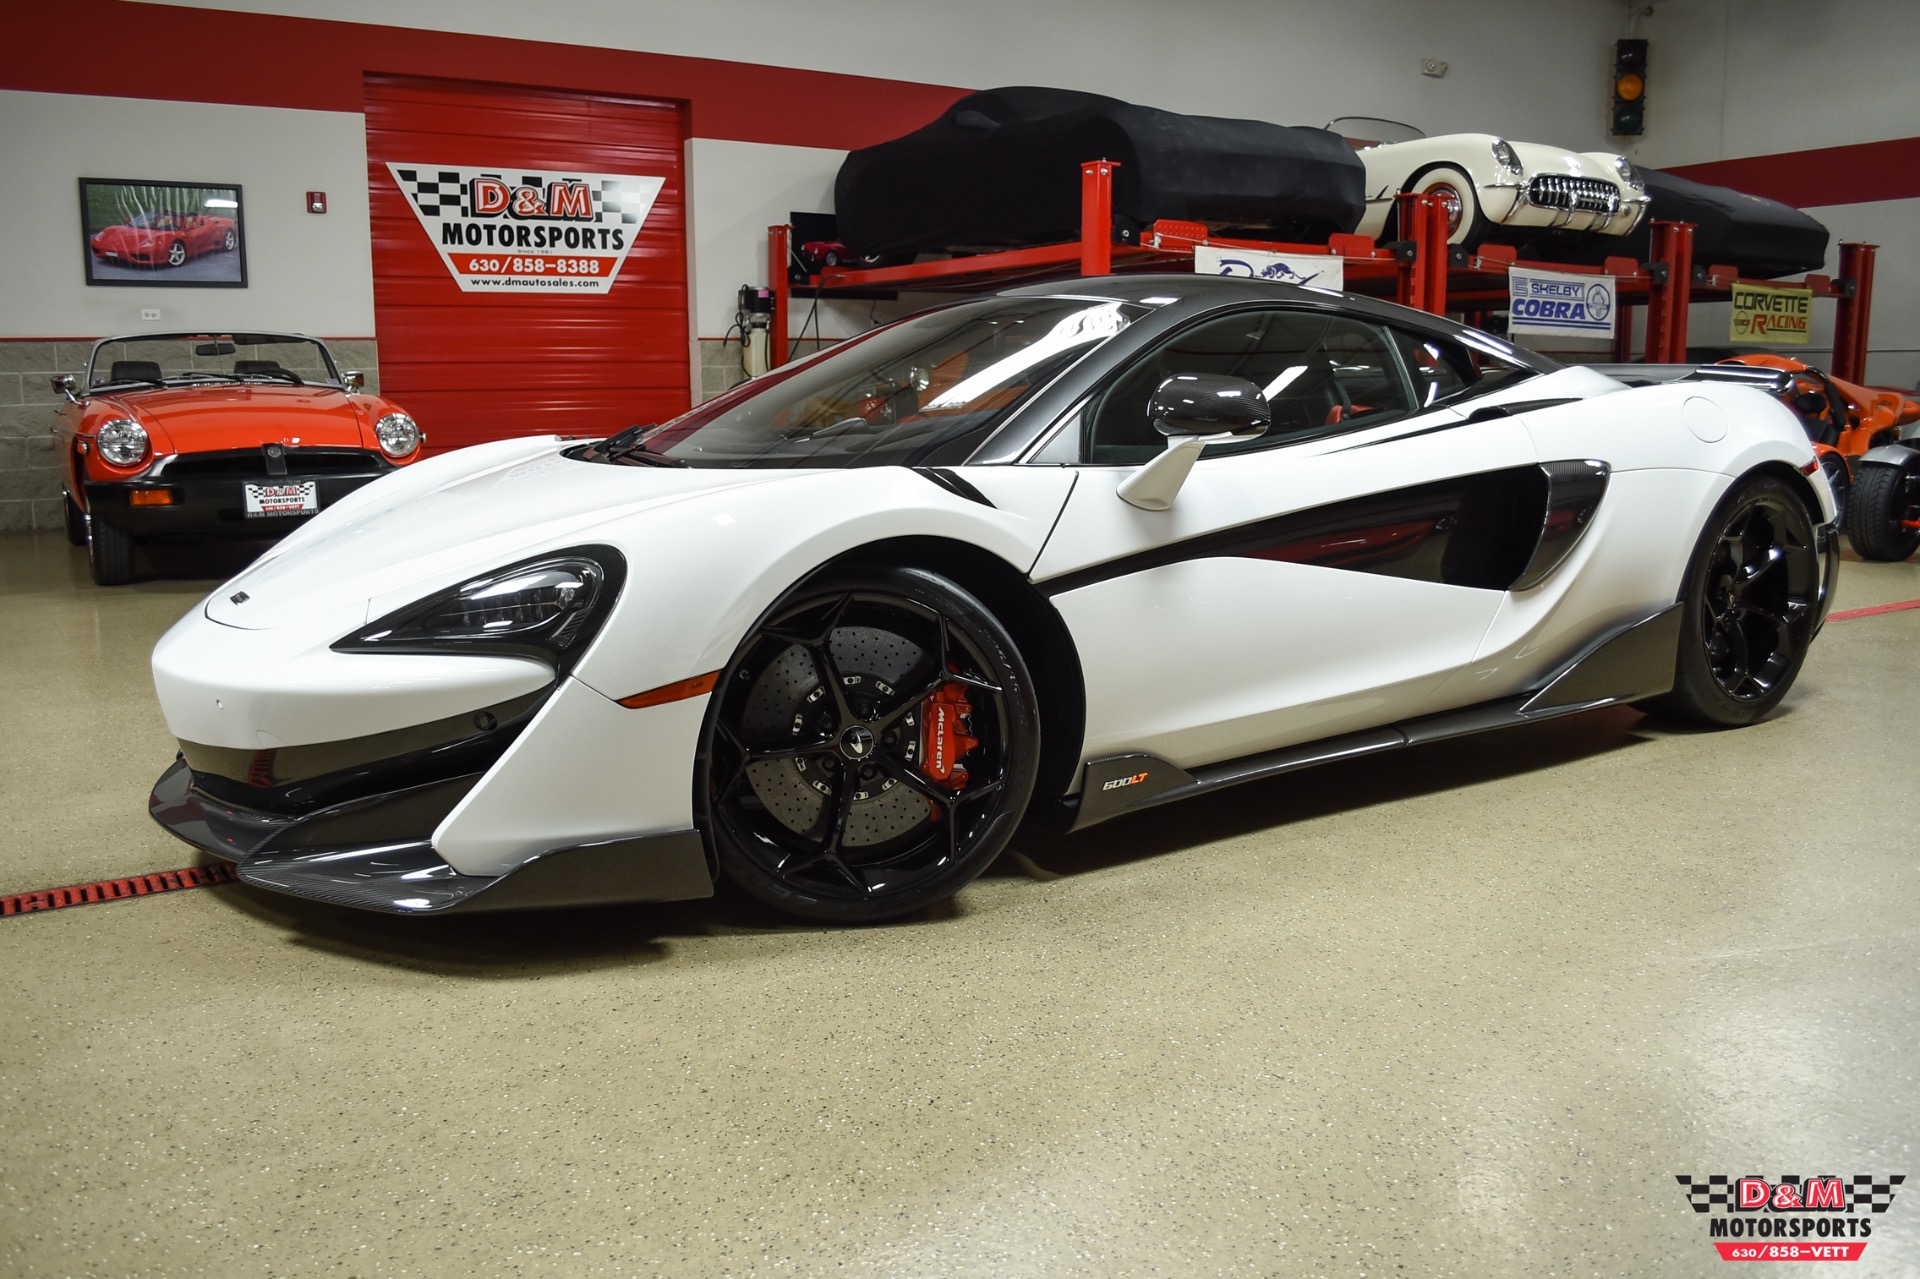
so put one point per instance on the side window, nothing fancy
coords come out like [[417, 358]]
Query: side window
[[1322, 374], [1440, 369]]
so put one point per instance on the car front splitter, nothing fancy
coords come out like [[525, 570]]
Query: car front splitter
[[406, 876]]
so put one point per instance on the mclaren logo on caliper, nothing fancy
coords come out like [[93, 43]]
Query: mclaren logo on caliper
[[1118, 782]]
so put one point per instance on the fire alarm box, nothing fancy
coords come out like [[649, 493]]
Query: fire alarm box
[[316, 202]]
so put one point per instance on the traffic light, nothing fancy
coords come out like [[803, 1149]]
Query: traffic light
[[1630, 87]]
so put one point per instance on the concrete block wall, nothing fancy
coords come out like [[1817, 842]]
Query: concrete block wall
[[29, 471]]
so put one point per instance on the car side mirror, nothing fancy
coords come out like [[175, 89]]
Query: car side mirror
[[1194, 410], [355, 379], [65, 384]]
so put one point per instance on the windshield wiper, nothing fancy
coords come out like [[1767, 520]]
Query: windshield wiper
[[629, 448]]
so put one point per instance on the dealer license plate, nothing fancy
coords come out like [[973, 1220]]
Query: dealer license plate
[[282, 499]]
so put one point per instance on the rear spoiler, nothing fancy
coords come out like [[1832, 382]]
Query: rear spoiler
[[1772, 381]]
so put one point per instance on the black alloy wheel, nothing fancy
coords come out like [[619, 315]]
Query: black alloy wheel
[[176, 253], [1749, 607], [109, 553], [870, 749], [1884, 499]]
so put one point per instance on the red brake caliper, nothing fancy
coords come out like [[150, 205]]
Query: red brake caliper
[[946, 737]]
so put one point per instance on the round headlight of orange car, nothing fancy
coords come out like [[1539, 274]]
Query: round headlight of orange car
[[122, 441], [398, 435]]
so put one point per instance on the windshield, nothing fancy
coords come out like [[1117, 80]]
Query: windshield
[[1372, 131], [182, 359], [925, 391]]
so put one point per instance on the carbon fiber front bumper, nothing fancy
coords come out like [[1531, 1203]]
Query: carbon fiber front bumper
[[376, 853]]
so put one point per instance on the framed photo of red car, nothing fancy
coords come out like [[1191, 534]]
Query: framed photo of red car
[[178, 234]]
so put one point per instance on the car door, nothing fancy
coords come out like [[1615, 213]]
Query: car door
[[1324, 578]]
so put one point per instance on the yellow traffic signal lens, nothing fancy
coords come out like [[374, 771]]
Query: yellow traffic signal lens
[[1629, 87]]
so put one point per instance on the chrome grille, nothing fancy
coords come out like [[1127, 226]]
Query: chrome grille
[[1582, 195]]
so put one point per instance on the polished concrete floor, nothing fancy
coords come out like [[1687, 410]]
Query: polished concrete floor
[[1462, 1011]]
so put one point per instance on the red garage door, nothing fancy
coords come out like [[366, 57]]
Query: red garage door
[[529, 258]]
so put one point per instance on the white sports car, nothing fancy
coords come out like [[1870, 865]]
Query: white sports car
[[1488, 185], [1063, 552]]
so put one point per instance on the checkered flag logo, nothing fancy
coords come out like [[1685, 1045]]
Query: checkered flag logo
[[1864, 1192], [1715, 1192], [439, 193], [612, 198]]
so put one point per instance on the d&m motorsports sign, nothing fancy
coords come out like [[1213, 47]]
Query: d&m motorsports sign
[[517, 231]]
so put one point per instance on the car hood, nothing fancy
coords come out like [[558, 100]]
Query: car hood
[[454, 516], [235, 416]]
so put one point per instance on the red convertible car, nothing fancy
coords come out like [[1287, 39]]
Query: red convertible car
[[196, 435], [164, 239]]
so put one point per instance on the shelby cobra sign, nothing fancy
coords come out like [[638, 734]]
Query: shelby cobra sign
[[520, 231]]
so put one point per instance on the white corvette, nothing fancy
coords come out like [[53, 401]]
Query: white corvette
[[1064, 552], [1488, 185]]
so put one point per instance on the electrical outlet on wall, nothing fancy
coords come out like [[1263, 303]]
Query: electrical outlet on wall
[[149, 312], [1433, 67]]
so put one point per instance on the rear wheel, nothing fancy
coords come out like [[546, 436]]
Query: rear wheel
[[1884, 499], [870, 749], [109, 553], [1748, 610]]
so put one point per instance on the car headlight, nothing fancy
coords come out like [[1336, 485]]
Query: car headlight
[[1628, 174], [397, 434], [122, 441], [1505, 156], [546, 608]]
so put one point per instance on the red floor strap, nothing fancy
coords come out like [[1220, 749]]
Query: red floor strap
[[1877, 609], [113, 890]]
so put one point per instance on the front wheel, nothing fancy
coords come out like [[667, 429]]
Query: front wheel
[[1748, 609], [1466, 224], [870, 748], [176, 253], [228, 240], [109, 553], [76, 523], [1884, 499]]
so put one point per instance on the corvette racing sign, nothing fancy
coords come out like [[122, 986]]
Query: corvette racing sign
[[520, 231]]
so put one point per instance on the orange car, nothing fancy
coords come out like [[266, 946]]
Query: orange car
[[214, 435], [1857, 433]]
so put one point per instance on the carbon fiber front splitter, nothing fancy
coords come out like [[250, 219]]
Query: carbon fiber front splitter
[[403, 875]]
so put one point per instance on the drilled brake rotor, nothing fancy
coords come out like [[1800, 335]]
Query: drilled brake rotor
[[789, 701]]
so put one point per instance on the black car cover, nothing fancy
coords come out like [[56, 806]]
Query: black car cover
[[1761, 238], [1002, 168]]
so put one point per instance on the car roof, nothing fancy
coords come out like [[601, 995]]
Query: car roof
[[1188, 295]]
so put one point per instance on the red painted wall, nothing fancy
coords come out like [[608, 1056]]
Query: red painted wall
[[128, 50], [472, 367]]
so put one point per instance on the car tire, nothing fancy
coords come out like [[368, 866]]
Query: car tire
[[1883, 498], [177, 253], [822, 791], [228, 241], [1470, 227], [76, 521], [1749, 608], [109, 553]]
